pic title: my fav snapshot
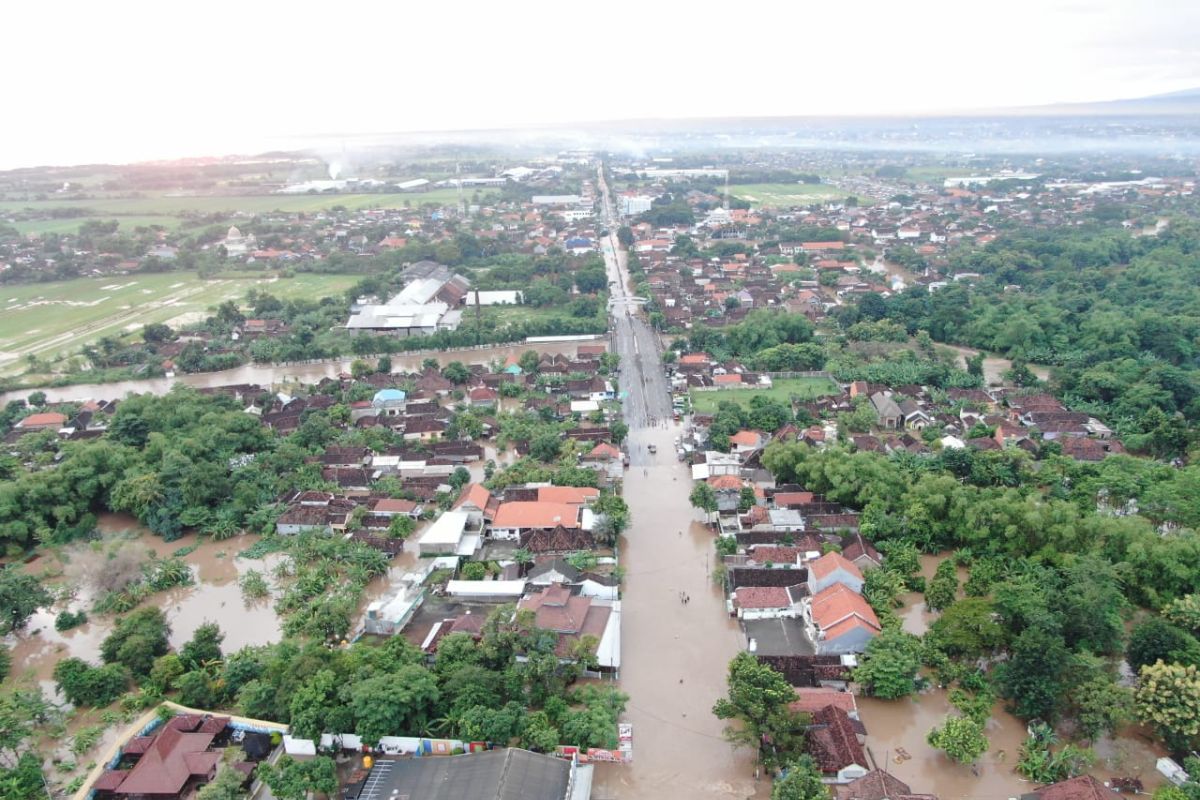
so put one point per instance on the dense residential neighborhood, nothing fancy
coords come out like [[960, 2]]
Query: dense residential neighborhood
[[595, 445]]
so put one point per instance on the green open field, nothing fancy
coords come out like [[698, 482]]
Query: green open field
[[782, 390], [936, 175], [782, 195], [163, 209], [53, 320], [127, 223]]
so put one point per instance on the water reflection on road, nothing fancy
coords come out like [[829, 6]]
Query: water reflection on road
[[674, 656]]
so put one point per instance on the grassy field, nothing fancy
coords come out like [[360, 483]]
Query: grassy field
[[127, 223], [249, 204], [53, 320], [782, 195], [936, 175], [782, 390]]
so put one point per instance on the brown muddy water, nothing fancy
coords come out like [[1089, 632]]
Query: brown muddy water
[[270, 374], [896, 731], [215, 597], [673, 656]]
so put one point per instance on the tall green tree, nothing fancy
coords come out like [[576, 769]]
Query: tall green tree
[[758, 701], [890, 665]]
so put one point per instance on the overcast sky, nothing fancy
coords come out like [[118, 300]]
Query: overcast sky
[[122, 81]]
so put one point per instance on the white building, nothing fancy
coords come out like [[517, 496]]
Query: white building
[[631, 206]]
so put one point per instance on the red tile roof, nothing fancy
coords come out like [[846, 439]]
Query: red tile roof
[[573, 495], [838, 609], [811, 700], [167, 764], [830, 563], [536, 515], [43, 420], [832, 742], [1084, 787], [761, 597]]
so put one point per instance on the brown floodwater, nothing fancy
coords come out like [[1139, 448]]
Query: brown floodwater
[[673, 656], [896, 731], [270, 374], [215, 597]]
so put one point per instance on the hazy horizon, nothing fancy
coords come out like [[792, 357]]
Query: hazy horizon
[[159, 82]]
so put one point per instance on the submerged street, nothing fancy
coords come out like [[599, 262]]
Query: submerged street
[[674, 653]]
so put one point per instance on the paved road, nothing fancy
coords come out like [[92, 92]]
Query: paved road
[[674, 654], [647, 391]]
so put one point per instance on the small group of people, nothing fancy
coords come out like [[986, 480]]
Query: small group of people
[[684, 598]]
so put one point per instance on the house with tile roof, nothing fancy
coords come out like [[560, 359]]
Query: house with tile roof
[[169, 763], [478, 502], [839, 620], [878, 785], [514, 519], [831, 568], [1081, 787], [573, 617], [832, 741], [767, 602]]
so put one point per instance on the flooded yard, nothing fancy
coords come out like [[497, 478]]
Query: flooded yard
[[214, 597], [896, 731]]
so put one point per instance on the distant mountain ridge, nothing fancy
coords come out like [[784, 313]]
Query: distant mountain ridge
[[1184, 101]]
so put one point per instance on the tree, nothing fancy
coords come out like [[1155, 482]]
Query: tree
[[156, 333], [967, 629], [20, 596], [802, 782], [961, 738], [290, 779], [704, 498], [1033, 678], [226, 786], [384, 365], [474, 571], [137, 639], [1099, 706], [85, 685], [545, 446], [619, 431], [1168, 697], [205, 647], [758, 700], [401, 526], [529, 361], [890, 664], [391, 704], [460, 478], [456, 372], [24, 781], [1159, 640], [943, 587], [21, 712], [1184, 612]]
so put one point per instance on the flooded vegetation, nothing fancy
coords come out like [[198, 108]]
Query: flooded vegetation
[[214, 596], [896, 731]]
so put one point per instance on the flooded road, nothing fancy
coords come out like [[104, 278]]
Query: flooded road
[[270, 374], [673, 655]]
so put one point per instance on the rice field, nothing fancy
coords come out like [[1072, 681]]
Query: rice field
[[784, 195], [53, 320]]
